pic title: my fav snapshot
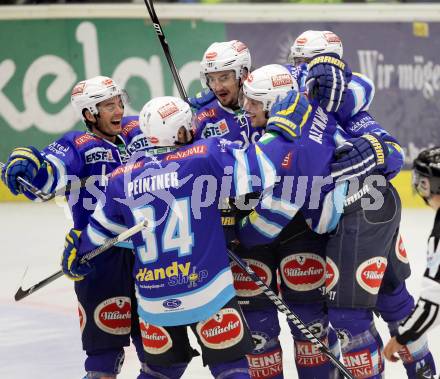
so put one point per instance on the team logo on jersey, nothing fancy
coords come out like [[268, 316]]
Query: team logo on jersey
[[138, 143], [223, 330], [239, 46], [155, 339], [185, 153], [114, 315], [303, 272], [168, 110], [287, 160], [400, 250], [360, 363], [98, 154], [308, 355], [129, 127], [84, 138], [281, 80], [82, 317], [210, 55], [172, 303], [370, 273], [244, 285], [331, 274], [218, 129], [208, 113], [58, 149]]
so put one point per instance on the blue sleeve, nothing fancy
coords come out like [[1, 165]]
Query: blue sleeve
[[360, 94]]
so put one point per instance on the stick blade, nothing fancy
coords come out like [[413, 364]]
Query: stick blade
[[21, 294]]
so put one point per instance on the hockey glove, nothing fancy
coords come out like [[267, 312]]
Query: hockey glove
[[327, 81], [70, 261], [201, 99], [23, 162], [359, 157], [288, 115]]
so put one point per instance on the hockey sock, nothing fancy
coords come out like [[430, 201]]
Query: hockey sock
[[230, 370], [174, 371], [266, 360], [360, 342], [310, 362], [104, 363]]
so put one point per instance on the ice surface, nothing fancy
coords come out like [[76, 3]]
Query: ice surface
[[40, 334]]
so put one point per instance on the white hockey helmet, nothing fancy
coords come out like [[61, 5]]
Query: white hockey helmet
[[269, 83], [314, 42], [88, 93], [162, 117], [223, 56]]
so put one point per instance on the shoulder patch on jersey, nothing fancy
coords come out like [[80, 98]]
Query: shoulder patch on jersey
[[189, 152], [126, 168], [207, 113], [84, 138], [130, 126]]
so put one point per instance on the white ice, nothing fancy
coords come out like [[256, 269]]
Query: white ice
[[40, 337]]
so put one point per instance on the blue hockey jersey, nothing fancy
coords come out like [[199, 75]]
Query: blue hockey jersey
[[182, 271], [81, 154]]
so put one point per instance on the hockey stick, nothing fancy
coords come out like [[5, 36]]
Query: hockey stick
[[22, 293], [166, 49], [292, 317]]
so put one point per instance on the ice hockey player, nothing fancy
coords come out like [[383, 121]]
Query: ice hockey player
[[424, 317], [394, 302], [217, 63], [175, 278], [108, 142], [297, 249]]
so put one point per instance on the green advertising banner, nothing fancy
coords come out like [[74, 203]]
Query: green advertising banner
[[41, 60]]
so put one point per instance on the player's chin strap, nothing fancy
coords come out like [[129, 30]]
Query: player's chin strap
[[291, 317], [22, 293]]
